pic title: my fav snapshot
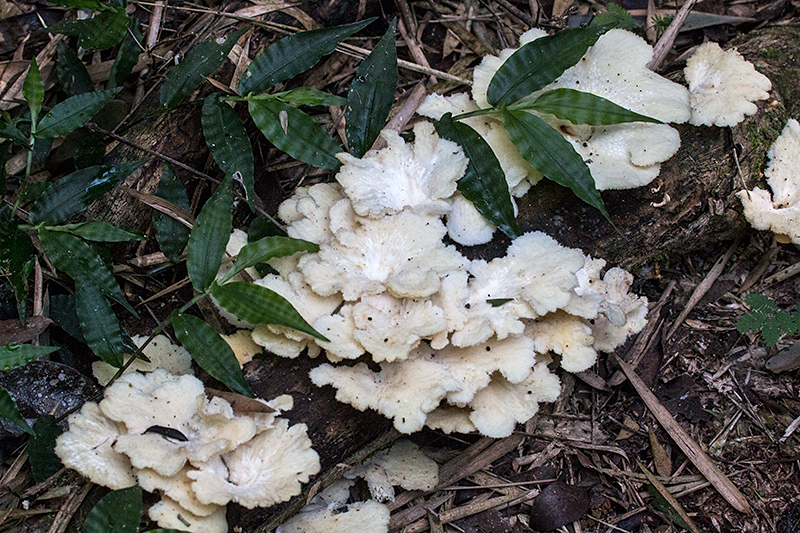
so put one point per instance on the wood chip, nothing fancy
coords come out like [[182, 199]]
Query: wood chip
[[689, 447]]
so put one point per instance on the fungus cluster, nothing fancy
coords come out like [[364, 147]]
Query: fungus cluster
[[440, 340], [161, 431], [780, 212]]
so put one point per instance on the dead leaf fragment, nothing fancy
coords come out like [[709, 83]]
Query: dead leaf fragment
[[12, 331], [557, 505]]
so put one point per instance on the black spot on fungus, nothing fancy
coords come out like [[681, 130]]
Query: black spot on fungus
[[488, 348]]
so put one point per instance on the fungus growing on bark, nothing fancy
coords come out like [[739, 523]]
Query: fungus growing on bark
[[723, 86], [779, 213]]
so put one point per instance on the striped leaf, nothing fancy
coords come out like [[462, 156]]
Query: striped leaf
[[9, 412], [104, 30], [372, 94], [171, 234], [265, 249], [260, 305], [33, 90], [8, 131], [552, 155], [127, 57], [101, 232], [227, 139], [72, 73], [484, 183], [309, 96], [203, 60], [292, 55], [80, 262], [295, 133], [16, 258], [119, 511], [584, 108], [43, 460], [209, 237], [73, 112], [17, 355], [210, 351], [540, 62], [74, 192], [99, 325]]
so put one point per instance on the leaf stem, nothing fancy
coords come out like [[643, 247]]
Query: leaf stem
[[478, 113]]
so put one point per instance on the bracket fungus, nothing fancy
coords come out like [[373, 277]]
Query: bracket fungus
[[780, 212], [723, 86], [417, 331], [162, 432]]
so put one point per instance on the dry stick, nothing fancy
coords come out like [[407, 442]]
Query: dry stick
[[70, 507], [784, 274], [701, 289], [357, 51], [667, 495], [664, 45], [689, 447], [445, 517], [414, 48]]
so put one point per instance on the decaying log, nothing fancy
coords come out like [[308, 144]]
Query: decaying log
[[692, 204]]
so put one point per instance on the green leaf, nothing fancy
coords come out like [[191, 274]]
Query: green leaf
[[16, 258], [302, 138], [18, 355], [309, 96], [72, 73], [210, 351], [203, 60], [265, 249], [761, 303], [166, 531], [80, 262], [484, 184], [209, 237], [44, 462], [552, 155], [372, 94], [127, 57], [227, 139], [260, 305], [74, 112], [101, 232], [497, 302], [538, 63], [616, 17], [584, 108], [10, 413], [8, 131], [99, 325], [63, 311], [119, 511], [33, 91], [94, 5], [293, 55], [74, 192], [171, 235], [100, 32]]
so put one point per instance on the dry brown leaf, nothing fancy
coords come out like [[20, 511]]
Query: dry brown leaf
[[660, 457]]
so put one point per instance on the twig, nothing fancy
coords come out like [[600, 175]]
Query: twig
[[703, 287], [667, 495], [664, 45], [689, 447]]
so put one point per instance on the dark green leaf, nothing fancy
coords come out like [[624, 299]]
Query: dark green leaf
[[7, 131], [99, 325], [44, 462], [119, 511], [540, 62], [16, 259], [72, 73], [171, 235], [552, 155], [484, 184], [497, 302], [761, 302], [616, 17], [293, 55], [100, 32], [210, 351], [94, 5], [79, 261], [74, 192], [295, 133], [63, 311], [166, 531], [209, 237], [260, 305], [372, 94], [101, 232], [33, 91], [91, 151], [227, 139], [261, 227], [17, 355], [309, 96], [128, 55], [584, 108], [73, 112], [10, 413], [265, 249], [203, 60]]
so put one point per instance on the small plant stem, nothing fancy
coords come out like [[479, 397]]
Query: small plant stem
[[477, 113], [28, 165]]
